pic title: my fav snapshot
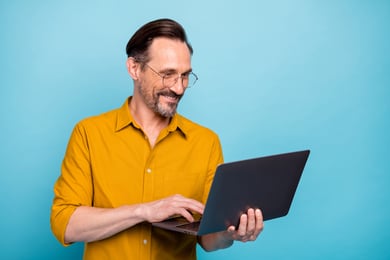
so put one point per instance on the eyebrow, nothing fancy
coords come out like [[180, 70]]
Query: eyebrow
[[168, 70]]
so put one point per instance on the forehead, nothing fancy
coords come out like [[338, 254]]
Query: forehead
[[170, 53]]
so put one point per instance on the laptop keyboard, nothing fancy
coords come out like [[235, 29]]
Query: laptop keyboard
[[194, 226]]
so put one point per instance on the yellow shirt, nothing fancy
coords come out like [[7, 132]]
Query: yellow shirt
[[109, 163]]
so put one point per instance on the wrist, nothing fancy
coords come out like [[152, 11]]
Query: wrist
[[136, 213], [226, 239]]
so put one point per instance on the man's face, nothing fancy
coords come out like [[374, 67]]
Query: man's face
[[166, 57]]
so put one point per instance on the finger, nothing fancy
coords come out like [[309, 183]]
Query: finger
[[231, 229], [194, 207], [186, 207], [259, 222], [189, 204], [233, 233], [251, 226], [187, 215], [243, 225]]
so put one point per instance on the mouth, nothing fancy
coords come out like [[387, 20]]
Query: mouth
[[170, 97]]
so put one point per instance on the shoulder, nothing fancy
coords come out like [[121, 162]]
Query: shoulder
[[194, 129], [106, 120]]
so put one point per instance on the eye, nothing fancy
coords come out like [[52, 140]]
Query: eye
[[185, 75], [169, 75]]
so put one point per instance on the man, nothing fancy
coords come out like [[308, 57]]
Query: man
[[143, 163]]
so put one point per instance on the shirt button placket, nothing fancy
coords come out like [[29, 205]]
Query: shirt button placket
[[148, 184]]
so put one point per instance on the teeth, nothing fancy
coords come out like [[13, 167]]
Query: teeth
[[170, 97]]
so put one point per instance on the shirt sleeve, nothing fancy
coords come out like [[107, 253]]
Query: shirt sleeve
[[74, 186]]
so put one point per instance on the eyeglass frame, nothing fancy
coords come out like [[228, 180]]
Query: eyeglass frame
[[181, 76]]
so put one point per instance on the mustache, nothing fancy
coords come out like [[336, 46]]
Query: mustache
[[169, 93]]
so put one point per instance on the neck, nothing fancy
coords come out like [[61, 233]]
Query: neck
[[150, 122]]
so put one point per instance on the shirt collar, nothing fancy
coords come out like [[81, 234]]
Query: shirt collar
[[177, 123], [124, 119]]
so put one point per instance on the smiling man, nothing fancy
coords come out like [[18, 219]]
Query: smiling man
[[143, 163]]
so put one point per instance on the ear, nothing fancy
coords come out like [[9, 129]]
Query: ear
[[133, 68]]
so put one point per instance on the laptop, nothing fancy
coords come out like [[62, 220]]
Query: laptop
[[268, 183]]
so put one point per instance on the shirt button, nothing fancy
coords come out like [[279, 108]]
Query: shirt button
[[145, 241], [149, 170]]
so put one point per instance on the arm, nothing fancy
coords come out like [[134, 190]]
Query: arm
[[74, 215], [91, 224], [251, 224]]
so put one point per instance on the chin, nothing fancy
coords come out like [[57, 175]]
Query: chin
[[166, 110], [167, 113]]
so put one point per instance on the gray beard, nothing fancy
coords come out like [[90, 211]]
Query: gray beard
[[167, 113], [153, 103]]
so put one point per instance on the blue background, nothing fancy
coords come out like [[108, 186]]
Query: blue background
[[275, 76]]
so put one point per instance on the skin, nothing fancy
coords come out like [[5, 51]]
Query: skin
[[152, 106]]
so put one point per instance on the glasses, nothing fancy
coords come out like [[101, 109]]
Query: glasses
[[169, 79]]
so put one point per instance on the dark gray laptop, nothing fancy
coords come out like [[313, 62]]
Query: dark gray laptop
[[268, 183]]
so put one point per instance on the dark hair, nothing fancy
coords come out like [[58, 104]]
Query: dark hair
[[139, 43]]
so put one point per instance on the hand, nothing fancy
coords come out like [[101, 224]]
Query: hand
[[160, 210], [251, 224]]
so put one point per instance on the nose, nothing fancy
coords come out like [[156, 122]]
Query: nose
[[178, 87]]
